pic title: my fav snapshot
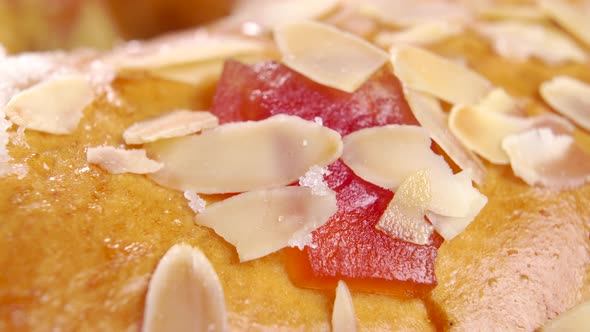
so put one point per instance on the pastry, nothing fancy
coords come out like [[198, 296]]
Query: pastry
[[102, 173]]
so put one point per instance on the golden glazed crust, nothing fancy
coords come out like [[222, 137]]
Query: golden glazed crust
[[79, 245]]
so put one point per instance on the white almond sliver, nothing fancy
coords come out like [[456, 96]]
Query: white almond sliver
[[387, 155], [327, 55], [542, 157], [182, 50], [261, 222], [569, 97], [343, 315], [408, 13], [498, 100], [575, 319], [420, 35], [450, 227], [199, 73], [483, 132], [427, 72], [54, 106], [203, 72], [117, 161], [184, 294], [512, 11], [404, 216], [520, 41], [238, 157], [174, 124], [271, 13], [571, 18], [431, 116]]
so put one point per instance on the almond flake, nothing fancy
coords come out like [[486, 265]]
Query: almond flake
[[184, 294], [193, 73], [427, 72], [117, 161], [575, 319], [420, 35], [520, 41], [343, 315], [570, 97], [404, 217], [238, 157], [498, 100], [195, 202], [572, 18], [272, 13], [181, 49], [483, 131], [512, 11], [450, 227], [261, 222], [387, 155], [327, 55], [431, 116], [54, 106], [199, 73], [408, 13], [174, 124], [539, 156]]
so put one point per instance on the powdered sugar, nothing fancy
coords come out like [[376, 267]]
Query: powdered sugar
[[195, 202], [314, 179], [300, 241]]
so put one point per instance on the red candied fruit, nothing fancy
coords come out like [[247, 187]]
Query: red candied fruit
[[348, 246]]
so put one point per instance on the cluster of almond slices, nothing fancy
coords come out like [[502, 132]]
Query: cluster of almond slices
[[190, 152]]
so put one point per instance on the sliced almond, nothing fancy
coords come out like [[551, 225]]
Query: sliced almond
[[54, 106], [572, 18], [184, 294], [116, 161], [450, 227], [408, 13], [174, 124], [420, 35], [181, 50], [193, 73], [238, 157], [539, 156], [271, 13], [520, 41], [498, 100], [261, 222], [427, 72], [327, 55], [343, 315], [512, 11], [431, 116], [387, 155], [483, 131], [569, 97], [575, 319], [404, 217], [199, 73]]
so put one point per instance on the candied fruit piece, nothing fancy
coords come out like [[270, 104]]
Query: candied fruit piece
[[348, 246]]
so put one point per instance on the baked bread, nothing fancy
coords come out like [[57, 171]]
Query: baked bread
[[81, 244]]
